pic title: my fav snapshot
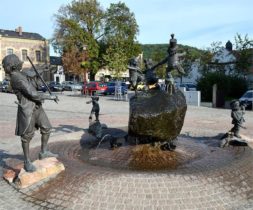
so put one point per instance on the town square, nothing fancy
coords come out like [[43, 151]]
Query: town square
[[96, 113]]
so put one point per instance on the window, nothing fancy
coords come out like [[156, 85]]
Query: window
[[38, 56], [24, 55], [43, 56], [9, 51]]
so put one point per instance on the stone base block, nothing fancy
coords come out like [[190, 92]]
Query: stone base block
[[45, 168]]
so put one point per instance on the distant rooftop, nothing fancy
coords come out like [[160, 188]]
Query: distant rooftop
[[18, 33]]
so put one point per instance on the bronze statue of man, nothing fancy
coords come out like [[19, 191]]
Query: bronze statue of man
[[172, 61], [30, 114]]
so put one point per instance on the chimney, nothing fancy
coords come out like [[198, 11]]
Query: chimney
[[19, 30], [229, 46]]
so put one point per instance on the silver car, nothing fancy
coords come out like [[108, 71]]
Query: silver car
[[247, 99], [71, 85]]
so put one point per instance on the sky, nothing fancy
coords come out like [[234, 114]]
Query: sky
[[196, 23]]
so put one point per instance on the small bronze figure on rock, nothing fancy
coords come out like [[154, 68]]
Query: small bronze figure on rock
[[31, 116], [135, 73], [172, 61], [150, 76]]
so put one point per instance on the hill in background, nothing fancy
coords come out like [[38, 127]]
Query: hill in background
[[159, 51]]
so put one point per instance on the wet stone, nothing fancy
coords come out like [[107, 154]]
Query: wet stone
[[156, 115]]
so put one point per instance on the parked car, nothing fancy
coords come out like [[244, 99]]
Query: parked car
[[71, 85], [5, 86], [55, 86], [113, 85], [94, 87], [188, 86], [247, 99], [42, 88]]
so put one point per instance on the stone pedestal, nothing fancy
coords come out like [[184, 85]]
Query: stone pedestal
[[45, 168], [156, 115]]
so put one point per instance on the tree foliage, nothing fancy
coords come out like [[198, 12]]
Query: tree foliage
[[84, 22], [244, 53], [120, 34], [116, 59], [232, 86]]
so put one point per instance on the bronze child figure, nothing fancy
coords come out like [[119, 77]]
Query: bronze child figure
[[135, 74], [172, 61], [232, 137], [237, 114], [95, 107], [30, 114]]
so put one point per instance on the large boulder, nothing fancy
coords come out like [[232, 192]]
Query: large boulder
[[156, 115]]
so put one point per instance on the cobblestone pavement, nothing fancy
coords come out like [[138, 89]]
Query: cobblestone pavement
[[213, 178]]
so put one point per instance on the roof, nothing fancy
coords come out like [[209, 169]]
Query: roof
[[25, 35], [54, 60]]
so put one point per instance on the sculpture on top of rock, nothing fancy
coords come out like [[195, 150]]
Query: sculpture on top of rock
[[135, 73], [157, 115], [150, 76], [172, 61]]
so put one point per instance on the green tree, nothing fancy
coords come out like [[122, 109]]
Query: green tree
[[77, 24], [84, 22], [232, 86], [120, 37], [116, 59], [244, 54]]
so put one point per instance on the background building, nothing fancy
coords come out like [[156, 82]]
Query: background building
[[56, 69], [23, 44]]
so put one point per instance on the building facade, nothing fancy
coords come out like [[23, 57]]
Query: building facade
[[56, 68], [24, 44], [105, 74]]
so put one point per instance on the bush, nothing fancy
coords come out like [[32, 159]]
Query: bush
[[231, 85]]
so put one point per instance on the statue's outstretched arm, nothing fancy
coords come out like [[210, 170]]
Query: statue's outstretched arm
[[160, 63], [181, 54], [29, 92]]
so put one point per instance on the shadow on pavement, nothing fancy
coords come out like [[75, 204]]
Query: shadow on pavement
[[67, 128], [4, 156]]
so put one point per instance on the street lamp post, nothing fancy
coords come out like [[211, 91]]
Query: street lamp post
[[85, 92], [85, 58]]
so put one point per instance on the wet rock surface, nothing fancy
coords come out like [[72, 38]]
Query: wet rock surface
[[156, 115]]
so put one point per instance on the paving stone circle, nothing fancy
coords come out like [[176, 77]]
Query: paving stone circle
[[205, 177]]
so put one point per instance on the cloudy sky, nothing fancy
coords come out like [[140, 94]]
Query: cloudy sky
[[195, 22]]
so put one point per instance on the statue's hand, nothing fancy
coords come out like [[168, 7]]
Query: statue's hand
[[54, 98]]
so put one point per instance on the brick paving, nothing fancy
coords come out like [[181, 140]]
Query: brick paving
[[206, 177]]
